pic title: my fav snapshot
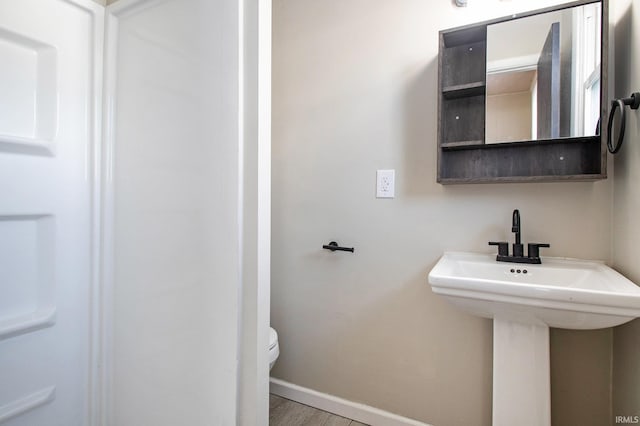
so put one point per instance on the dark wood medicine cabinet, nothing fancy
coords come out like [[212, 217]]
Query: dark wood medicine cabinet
[[558, 152]]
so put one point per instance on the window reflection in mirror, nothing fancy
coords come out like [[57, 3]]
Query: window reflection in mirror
[[543, 76]]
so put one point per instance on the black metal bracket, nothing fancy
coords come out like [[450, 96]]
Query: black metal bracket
[[333, 246], [633, 102]]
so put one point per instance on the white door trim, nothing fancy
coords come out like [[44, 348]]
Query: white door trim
[[96, 357], [253, 374], [103, 402]]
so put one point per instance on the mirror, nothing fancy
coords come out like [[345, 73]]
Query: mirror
[[543, 76], [548, 132]]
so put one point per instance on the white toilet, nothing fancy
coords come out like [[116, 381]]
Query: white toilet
[[274, 347]]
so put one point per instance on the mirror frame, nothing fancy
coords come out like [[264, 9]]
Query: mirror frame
[[463, 157]]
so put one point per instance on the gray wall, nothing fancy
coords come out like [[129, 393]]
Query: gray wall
[[354, 90], [626, 232]]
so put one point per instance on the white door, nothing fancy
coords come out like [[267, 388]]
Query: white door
[[49, 62]]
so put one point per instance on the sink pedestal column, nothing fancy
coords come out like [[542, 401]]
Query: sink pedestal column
[[521, 374]]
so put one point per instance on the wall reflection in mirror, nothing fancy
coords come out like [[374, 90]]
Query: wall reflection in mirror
[[543, 76]]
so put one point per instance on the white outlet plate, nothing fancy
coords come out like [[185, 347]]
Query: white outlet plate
[[385, 183]]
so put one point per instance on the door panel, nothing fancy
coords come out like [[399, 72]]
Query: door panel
[[549, 85], [47, 110]]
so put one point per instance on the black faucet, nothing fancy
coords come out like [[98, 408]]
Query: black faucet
[[515, 227], [518, 251]]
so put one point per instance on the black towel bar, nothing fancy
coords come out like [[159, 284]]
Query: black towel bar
[[333, 246]]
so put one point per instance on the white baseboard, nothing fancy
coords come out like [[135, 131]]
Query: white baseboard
[[342, 407]]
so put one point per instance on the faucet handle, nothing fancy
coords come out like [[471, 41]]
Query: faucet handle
[[534, 249], [503, 247]]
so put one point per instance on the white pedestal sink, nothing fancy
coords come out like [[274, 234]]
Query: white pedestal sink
[[524, 301]]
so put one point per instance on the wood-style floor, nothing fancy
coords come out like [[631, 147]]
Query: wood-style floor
[[283, 412]]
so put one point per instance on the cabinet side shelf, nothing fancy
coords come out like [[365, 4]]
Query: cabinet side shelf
[[461, 144], [461, 90]]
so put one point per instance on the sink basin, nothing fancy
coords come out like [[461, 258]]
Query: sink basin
[[524, 301], [563, 293]]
